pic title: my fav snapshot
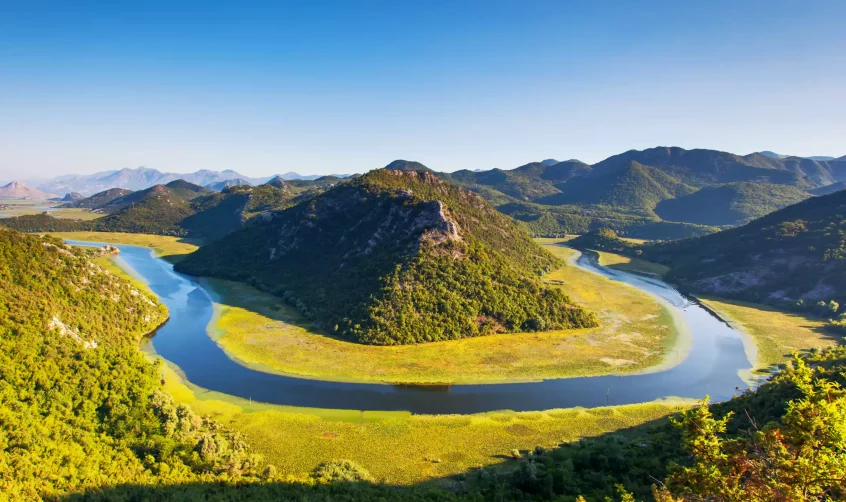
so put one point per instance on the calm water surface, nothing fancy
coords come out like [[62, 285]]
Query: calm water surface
[[711, 367]]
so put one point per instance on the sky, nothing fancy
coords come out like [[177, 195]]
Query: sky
[[339, 87]]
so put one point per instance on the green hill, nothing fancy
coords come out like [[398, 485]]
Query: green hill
[[730, 204], [397, 257], [186, 190], [156, 210], [178, 208], [100, 199], [635, 187], [221, 213], [701, 167], [407, 165], [79, 403], [796, 253]]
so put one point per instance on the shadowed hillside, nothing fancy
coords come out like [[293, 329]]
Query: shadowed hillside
[[796, 254]]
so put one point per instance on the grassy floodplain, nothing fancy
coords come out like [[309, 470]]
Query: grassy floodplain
[[775, 335], [396, 447], [399, 448], [18, 207], [772, 335], [168, 248], [628, 264], [262, 332]]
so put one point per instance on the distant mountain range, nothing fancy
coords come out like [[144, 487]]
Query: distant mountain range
[[141, 178], [657, 193], [774, 155], [18, 190]]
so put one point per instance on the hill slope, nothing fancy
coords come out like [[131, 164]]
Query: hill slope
[[834, 187], [634, 187], [81, 406], [100, 199], [397, 257], [730, 204], [156, 210], [796, 253], [17, 190], [700, 167]]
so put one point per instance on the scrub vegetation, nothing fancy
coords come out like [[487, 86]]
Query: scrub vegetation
[[634, 333], [394, 258]]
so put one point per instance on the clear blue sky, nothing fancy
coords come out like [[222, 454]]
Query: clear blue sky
[[320, 87]]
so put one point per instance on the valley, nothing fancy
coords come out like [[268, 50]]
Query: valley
[[321, 434], [302, 395]]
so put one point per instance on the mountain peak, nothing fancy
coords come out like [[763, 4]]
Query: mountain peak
[[407, 165], [19, 190], [367, 258]]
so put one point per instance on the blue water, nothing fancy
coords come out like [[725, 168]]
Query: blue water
[[711, 366]]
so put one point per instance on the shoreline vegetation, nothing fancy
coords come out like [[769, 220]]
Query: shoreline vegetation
[[296, 440], [771, 335], [260, 331], [423, 448]]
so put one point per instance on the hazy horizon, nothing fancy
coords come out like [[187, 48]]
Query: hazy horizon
[[331, 87], [23, 177]]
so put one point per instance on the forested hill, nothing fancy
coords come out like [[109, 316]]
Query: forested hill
[[79, 404], [397, 257], [656, 193], [178, 208], [796, 254]]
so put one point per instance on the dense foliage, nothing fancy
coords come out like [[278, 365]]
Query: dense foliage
[[731, 204], [659, 193], [397, 257], [178, 208], [795, 257], [42, 223], [79, 404], [604, 240]]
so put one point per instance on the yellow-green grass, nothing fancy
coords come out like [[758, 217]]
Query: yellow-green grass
[[169, 248], [636, 331], [24, 207], [74, 213], [400, 448], [776, 334], [396, 447], [628, 264]]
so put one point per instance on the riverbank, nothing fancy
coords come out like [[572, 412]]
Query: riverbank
[[636, 333], [771, 336], [165, 247], [400, 448]]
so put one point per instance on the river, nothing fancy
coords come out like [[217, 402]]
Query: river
[[711, 366]]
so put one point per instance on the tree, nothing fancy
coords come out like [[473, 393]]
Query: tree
[[801, 458]]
